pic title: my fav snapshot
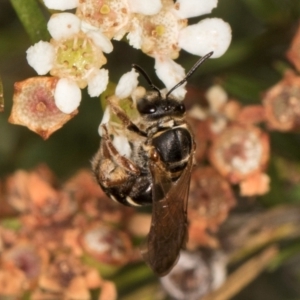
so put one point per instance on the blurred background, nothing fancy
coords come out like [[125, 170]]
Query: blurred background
[[256, 60]]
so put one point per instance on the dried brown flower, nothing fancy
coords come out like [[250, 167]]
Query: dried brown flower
[[282, 104], [93, 201], [210, 201], [202, 135], [232, 109], [34, 106], [195, 275], [139, 224], [49, 238], [71, 240], [239, 152], [26, 258], [13, 282], [107, 245], [256, 184], [57, 227], [8, 238], [108, 291], [65, 275], [40, 203], [251, 114]]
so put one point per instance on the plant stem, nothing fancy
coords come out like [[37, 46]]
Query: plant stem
[[32, 19]]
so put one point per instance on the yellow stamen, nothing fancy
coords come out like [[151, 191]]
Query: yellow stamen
[[160, 30], [105, 9]]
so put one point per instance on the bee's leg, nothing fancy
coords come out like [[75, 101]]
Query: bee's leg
[[110, 152], [115, 173], [123, 117]]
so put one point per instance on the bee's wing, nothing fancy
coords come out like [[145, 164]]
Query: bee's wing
[[168, 232]]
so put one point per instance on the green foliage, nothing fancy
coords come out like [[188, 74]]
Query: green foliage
[[32, 19], [1, 96]]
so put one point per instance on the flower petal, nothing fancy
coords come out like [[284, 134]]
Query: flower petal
[[145, 7], [61, 4], [193, 8], [208, 35], [170, 73], [216, 97], [135, 35], [67, 95], [99, 39], [122, 145], [63, 25], [40, 56], [127, 84], [98, 82], [105, 119]]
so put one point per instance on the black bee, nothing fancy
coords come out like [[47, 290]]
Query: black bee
[[155, 169]]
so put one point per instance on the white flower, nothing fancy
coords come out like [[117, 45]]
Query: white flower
[[98, 83], [73, 55], [111, 17], [63, 26], [61, 4], [40, 57], [171, 73], [67, 95], [157, 34], [105, 120], [208, 35], [216, 97], [145, 7], [122, 145], [194, 8], [127, 84], [98, 38], [164, 34], [135, 35]]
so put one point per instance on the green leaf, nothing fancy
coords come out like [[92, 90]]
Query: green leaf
[[1, 97], [284, 255], [11, 223], [244, 87], [133, 276], [104, 269], [32, 19], [110, 90], [148, 292], [276, 194], [273, 11]]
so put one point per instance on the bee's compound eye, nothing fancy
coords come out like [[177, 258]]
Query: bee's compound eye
[[181, 108], [146, 107]]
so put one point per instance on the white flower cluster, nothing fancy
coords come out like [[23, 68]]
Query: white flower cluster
[[158, 27]]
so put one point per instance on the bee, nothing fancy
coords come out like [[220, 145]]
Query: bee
[[149, 160]]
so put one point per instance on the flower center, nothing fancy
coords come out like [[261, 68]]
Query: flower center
[[41, 107], [108, 15], [160, 30], [76, 55], [76, 58], [105, 9]]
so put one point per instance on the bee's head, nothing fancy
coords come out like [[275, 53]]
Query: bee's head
[[154, 106]]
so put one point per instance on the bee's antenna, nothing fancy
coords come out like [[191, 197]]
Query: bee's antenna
[[190, 73], [143, 72]]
